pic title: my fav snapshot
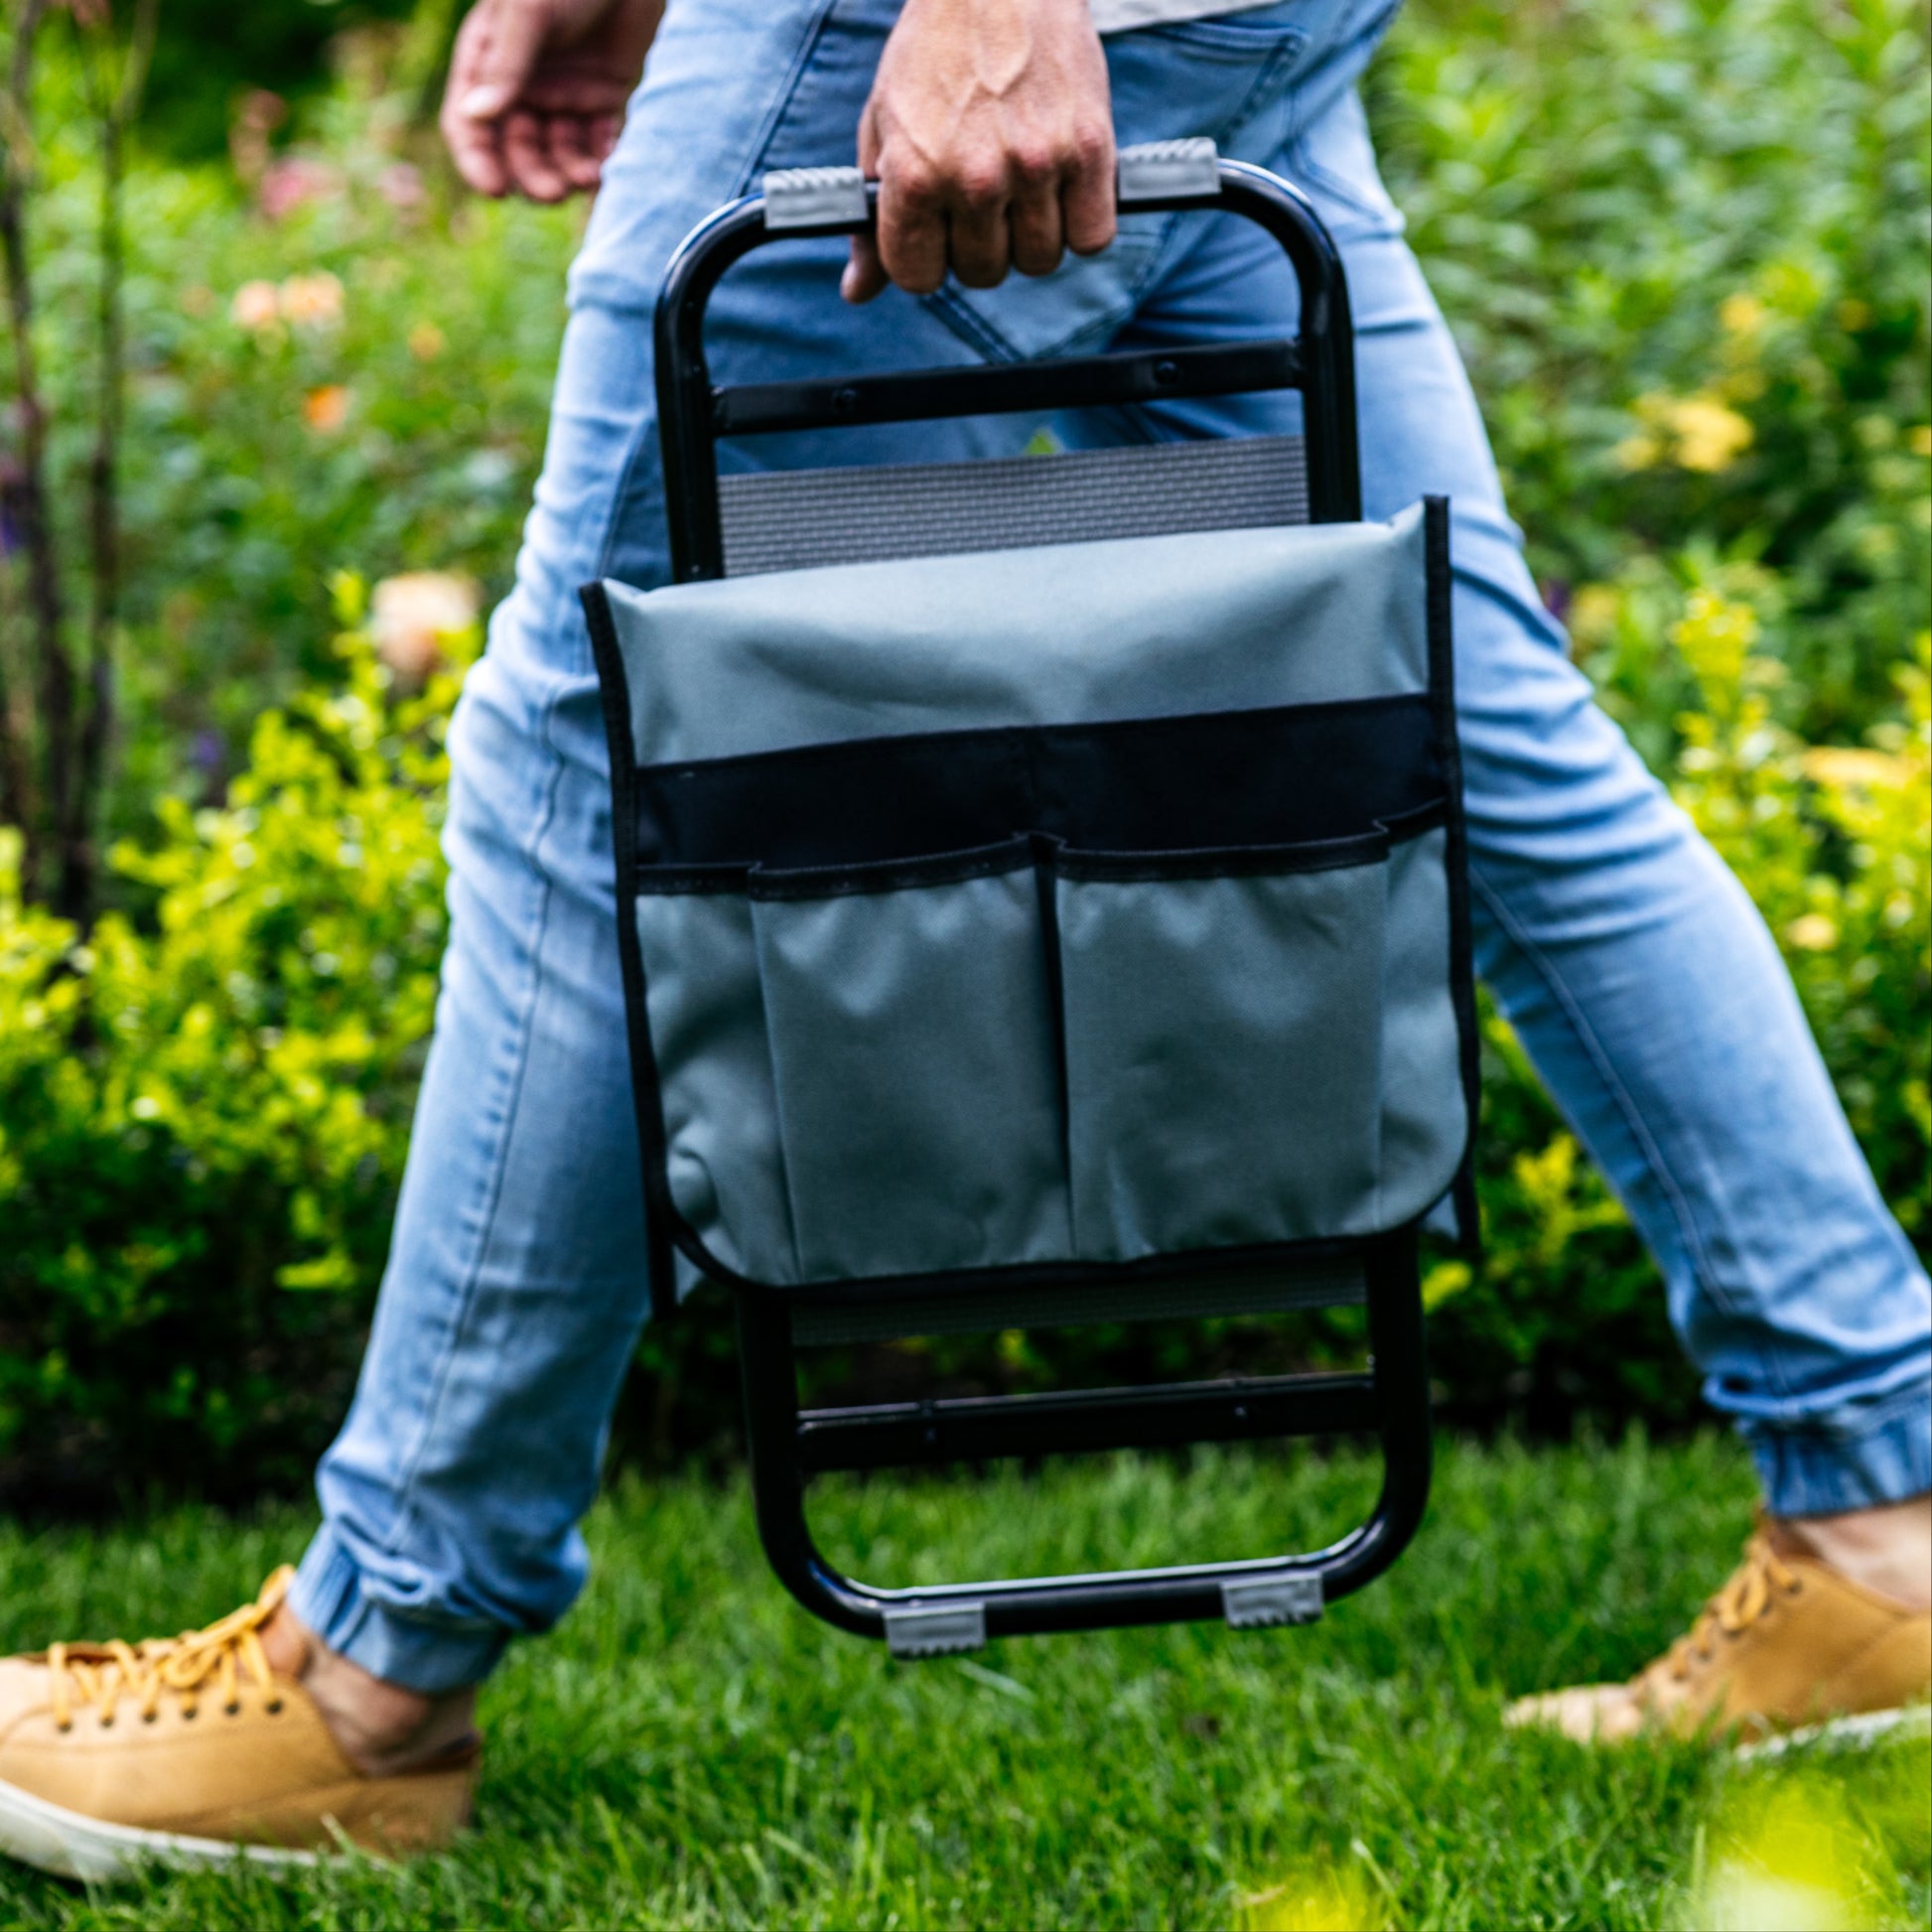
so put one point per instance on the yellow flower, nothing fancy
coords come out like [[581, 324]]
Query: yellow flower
[[1811, 932], [426, 341], [1640, 452], [1695, 432], [1847, 767], [1918, 438], [1709, 435], [1593, 613], [256, 306], [312, 301], [1317, 1901], [1790, 1856], [1742, 314], [326, 408]]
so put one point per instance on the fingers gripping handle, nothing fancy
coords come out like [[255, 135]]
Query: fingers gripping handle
[[833, 201]]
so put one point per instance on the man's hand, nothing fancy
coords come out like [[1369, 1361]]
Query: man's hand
[[991, 135], [537, 89]]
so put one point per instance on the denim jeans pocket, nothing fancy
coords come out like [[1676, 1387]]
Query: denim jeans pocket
[[1334, 160]]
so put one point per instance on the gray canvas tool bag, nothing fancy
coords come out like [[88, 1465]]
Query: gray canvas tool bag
[[1071, 905]]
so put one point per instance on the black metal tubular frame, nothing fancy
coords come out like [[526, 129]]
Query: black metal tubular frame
[[693, 414], [789, 1445]]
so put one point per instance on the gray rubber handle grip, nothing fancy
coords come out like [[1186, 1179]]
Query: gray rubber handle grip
[[833, 198]]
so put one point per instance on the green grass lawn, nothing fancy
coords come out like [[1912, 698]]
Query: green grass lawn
[[691, 1749]]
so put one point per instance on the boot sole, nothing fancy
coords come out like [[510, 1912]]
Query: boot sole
[[1854, 1734], [71, 1845]]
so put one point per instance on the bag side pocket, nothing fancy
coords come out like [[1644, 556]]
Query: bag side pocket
[[722, 1164], [1223, 1043], [919, 1102], [1425, 1111]]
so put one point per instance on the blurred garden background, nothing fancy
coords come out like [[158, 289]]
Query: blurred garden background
[[274, 403], [271, 404]]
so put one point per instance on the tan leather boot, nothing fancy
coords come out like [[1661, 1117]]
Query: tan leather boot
[[1789, 1644], [193, 1750]]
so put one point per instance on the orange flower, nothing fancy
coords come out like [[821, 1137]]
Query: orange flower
[[256, 305], [312, 301], [412, 619], [326, 408], [426, 341]]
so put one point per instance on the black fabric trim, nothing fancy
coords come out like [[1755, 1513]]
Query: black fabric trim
[[887, 876], [1448, 752], [1052, 855], [1286, 775], [1253, 861], [1182, 1261], [661, 1214], [1225, 862]]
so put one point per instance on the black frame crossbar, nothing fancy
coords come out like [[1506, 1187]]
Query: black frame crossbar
[[1007, 388], [789, 1445], [1082, 1422]]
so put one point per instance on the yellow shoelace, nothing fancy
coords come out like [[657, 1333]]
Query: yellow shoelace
[[182, 1665], [1736, 1607]]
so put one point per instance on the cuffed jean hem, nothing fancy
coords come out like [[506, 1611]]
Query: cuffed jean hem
[[424, 1653], [1819, 1469]]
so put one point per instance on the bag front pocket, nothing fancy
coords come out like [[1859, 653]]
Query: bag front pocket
[[1024, 996], [1221, 1017], [920, 1107]]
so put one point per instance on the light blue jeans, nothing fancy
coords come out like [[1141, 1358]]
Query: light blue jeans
[[1625, 955]]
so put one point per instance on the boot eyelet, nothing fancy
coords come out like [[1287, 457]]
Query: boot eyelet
[[65, 1725], [107, 1723], [231, 1709], [150, 1717], [187, 1714], [274, 1710]]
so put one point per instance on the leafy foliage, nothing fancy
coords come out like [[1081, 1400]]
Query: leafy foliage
[[334, 359], [202, 1118], [1835, 846], [1685, 246]]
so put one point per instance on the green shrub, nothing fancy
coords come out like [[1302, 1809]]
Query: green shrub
[[1685, 248], [202, 1119], [340, 359], [1835, 846]]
